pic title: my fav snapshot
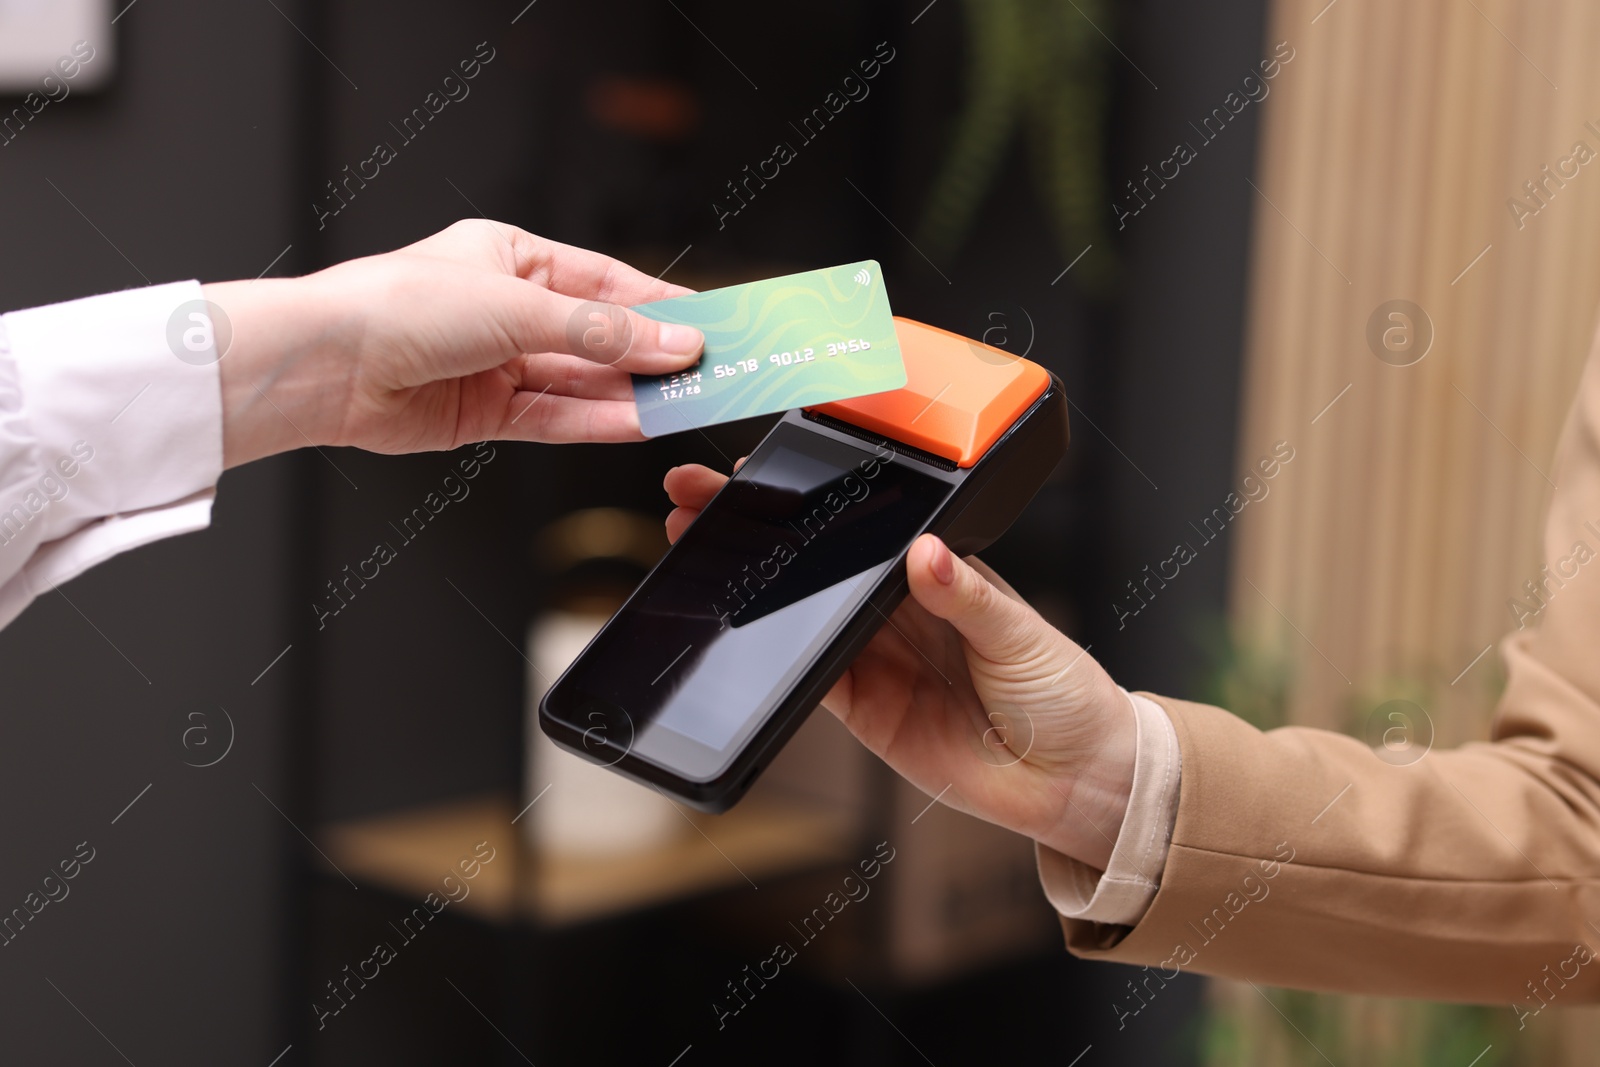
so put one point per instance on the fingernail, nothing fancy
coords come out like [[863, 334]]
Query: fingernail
[[679, 340], [943, 564]]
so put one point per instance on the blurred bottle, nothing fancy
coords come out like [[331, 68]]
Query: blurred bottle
[[594, 559]]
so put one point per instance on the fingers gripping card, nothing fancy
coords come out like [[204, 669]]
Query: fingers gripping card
[[772, 345]]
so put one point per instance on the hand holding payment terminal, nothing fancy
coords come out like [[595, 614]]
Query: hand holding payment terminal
[[745, 624]]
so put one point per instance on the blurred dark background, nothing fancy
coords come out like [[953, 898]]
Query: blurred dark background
[[210, 921]]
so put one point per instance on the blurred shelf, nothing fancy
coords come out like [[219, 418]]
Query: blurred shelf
[[410, 852]]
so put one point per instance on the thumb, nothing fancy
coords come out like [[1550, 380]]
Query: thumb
[[535, 319], [998, 627], [612, 335]]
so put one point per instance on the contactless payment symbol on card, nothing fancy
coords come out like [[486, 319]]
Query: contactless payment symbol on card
[[772, 345]]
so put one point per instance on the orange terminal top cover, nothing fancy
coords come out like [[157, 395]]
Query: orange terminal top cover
[[960, 395]]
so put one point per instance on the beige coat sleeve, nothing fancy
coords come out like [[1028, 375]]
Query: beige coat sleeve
[[1300, 859]]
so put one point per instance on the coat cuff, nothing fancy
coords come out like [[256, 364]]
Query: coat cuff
[[1121, 894]]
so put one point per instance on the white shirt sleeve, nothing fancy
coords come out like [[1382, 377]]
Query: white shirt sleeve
[[107, 439], [1122, 893]]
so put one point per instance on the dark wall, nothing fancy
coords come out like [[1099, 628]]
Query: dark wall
[[180, 941], [1180, 328], [172, 940], [419, 691]]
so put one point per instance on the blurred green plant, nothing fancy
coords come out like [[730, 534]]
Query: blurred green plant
[[1038, 67], [1289, 1028], [1251, 682]]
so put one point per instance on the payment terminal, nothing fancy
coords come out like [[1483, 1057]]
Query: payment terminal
[[730, 642]]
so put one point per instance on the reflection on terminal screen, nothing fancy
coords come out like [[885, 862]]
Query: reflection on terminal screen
[[757, 585]]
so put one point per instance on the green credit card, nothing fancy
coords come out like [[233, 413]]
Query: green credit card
[[773, 345]]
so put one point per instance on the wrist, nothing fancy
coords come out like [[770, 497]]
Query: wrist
[[285, 374], [1095, 794]]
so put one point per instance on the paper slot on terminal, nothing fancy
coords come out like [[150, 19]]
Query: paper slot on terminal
[[736, 635]]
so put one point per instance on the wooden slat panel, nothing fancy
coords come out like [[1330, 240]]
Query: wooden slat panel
[[1389, 148]]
